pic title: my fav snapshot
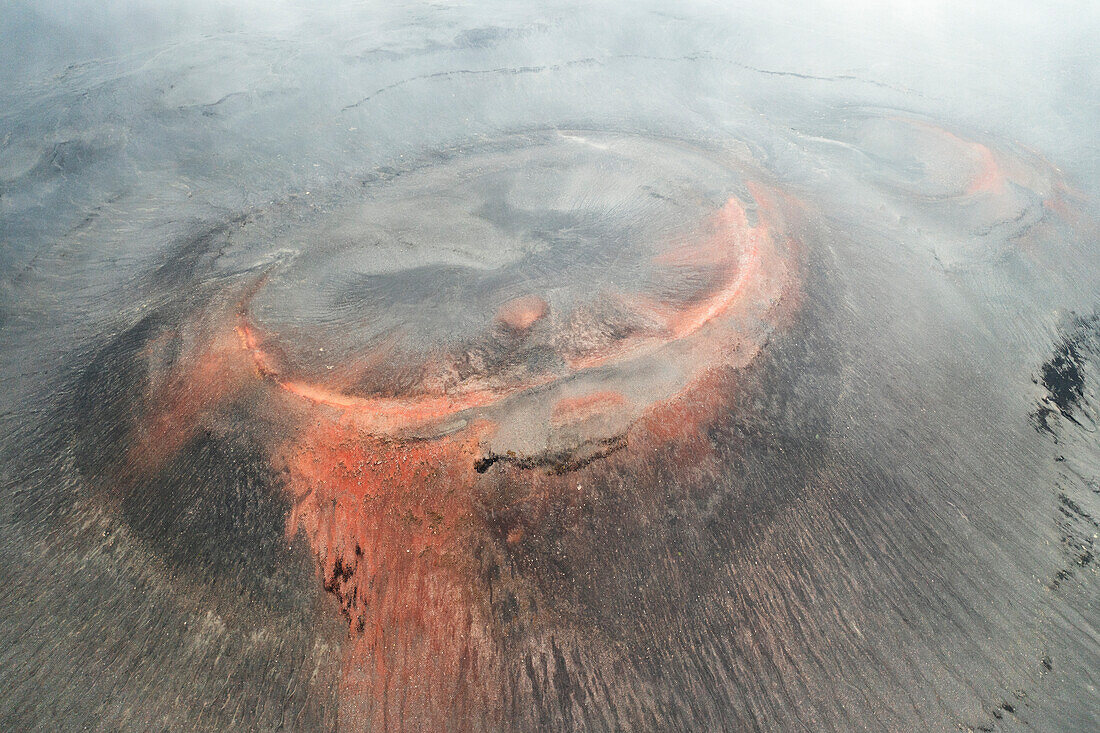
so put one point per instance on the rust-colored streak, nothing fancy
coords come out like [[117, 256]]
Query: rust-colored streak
[[379, 415], [732, 247], [735, 246], [988, 176], [393, 527], [390, 414], [251, 344]]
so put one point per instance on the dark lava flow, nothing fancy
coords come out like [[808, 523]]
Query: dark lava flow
[[751, 399]]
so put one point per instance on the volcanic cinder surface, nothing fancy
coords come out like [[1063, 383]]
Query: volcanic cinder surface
[[604, 367]]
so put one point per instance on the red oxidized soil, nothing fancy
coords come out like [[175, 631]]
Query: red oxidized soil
[[393, 525]]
